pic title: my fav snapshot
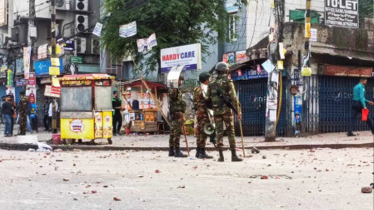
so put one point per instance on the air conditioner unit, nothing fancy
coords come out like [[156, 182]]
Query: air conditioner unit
[[81, 22], [81, 5], [63, 4], [95, 46], [81, 45]]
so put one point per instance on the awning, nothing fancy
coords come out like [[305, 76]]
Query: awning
[[138, 82]]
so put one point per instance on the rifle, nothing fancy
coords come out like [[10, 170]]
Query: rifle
[[225, 100]]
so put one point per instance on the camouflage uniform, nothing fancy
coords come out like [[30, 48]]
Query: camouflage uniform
[[22, 107], [177, 109], [222, 113], [201, 116]]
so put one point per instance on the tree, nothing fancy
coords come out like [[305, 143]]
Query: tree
[[175, 22], [366, 10]]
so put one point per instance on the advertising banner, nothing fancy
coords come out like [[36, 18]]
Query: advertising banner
[[188, 56], [107, 125], [77, 128], [43, 51], [32, 79], [11, 91], [341, 13], [3, 12], [26, 61], [298, 103], [128, 30], [98, 125], [241, 56], [9, 78], [97, 30], [173, 76], [146, 44]]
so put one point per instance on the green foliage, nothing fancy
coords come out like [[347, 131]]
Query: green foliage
[[175, 22], [365, 9]]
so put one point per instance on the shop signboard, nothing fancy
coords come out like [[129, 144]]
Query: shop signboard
[[188, 56], [342, 13], [42, 67], [52, 91]]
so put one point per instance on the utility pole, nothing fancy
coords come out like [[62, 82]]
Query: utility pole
[[272, 109], [53, 28], [31, 31]]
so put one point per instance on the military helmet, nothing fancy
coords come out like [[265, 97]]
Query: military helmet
[[204, 77], [222, 66]]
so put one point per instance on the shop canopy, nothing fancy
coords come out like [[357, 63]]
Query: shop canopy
[[138, 82], [87, 77]]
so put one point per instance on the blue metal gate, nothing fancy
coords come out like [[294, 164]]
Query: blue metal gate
[[333, 95], [252, 96]]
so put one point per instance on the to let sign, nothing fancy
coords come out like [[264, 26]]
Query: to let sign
[[341, 13]]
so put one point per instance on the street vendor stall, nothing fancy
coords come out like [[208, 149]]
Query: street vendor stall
[[141, 107], [86, 107]]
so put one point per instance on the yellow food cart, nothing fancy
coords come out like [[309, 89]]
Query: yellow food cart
[[86, 107]]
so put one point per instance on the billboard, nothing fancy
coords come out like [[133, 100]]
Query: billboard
[[188, 56]]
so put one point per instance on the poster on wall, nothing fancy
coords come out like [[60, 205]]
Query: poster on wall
[[26, 61], [342, 13], [241, 56], [298, 102], [11, 91], [32, 79], [31, 94]]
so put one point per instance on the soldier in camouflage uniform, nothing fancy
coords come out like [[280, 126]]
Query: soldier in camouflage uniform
[[201, 116], [177, 110], [222, 113], [22, 109]]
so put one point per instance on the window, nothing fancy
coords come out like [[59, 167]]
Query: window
[[233, 33]]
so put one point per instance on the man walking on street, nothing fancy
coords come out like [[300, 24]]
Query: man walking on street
[[201, 116], [177, 110], [22, 107], [223, 87], [7, 111], [45, 113], [358, 104], [117, 116]]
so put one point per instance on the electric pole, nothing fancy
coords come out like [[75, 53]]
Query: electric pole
[[53, 28], [272, 102], [31, 32]]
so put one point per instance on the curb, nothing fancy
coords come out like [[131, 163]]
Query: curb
[[25, 147]]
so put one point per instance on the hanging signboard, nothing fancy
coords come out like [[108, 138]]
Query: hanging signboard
[[241, 56], [128, 30], [20, 82], [9, 78], [313, 34], [231, 6], [42, 67], [97, 30], [51, 91], [43, 51], [146, 44], [188, 56], [69, 45], [342, 13]]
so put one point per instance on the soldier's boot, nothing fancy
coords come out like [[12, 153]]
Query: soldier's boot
[[203, 154], [221, 158], [23, 133], [178, 153], [197, 152], [171, 152], [234, 157]]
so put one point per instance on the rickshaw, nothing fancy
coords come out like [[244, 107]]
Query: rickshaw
[[86, 107]]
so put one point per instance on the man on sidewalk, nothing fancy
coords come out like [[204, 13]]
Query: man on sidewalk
[[46, 116], [359, 103], [8, 109], [22, 107], [117, 116]]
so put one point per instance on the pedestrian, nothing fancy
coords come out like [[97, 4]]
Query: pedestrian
[[201, 116], [22, 107], [29, 123], [7, 111], [222, 112], [52, 112], [177, 110], [34, 117], [358, 104], [117, 116], [46, 116]]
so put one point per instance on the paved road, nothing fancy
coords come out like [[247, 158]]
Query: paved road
[[297, 179]]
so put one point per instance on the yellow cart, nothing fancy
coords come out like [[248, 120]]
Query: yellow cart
[[86, 107]]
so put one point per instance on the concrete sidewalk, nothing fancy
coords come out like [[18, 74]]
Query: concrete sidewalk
[[161, 142]]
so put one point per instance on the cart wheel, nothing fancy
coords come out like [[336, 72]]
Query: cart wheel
[[80, 141], [92, 142], [110, 141], [69, 141], [63, 141]]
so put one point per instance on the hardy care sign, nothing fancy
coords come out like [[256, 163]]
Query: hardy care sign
[[341, 13]]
